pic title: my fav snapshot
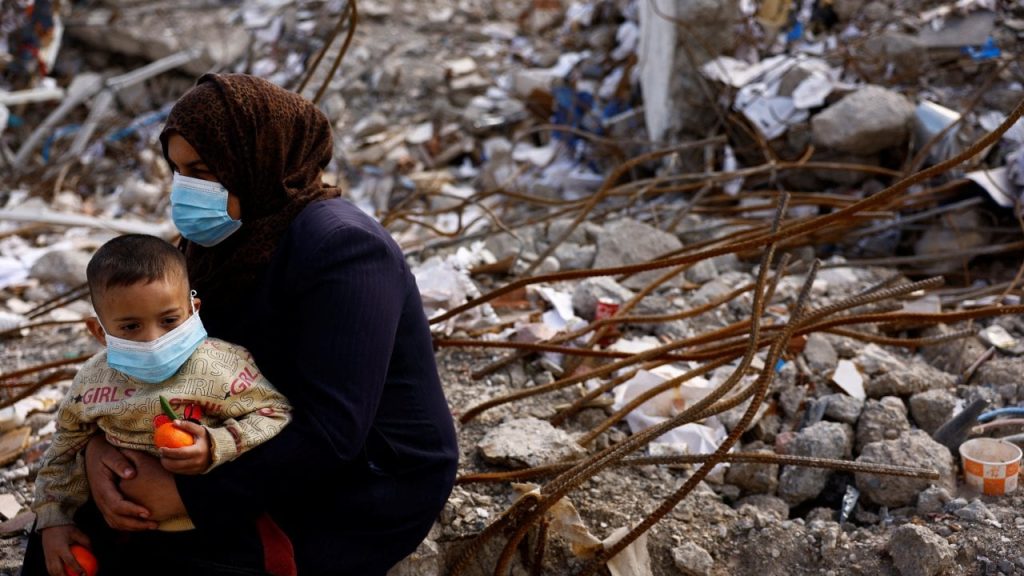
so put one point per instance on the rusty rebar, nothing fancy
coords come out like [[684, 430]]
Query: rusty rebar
[[788, 231], [732, 458]]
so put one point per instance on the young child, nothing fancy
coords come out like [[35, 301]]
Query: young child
[[156, 346]]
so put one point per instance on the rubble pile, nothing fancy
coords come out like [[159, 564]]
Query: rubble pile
[[643, 232]]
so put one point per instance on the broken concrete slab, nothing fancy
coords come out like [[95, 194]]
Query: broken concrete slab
[[884, 419], [866, 121], [915, 449], [820, 355], [909, 379], [528, 442], [822, 440], [754, 478], [917, 551], [627, 241], [152, 33], [932, 408], [65, 267], [692, 560], [842, 407]]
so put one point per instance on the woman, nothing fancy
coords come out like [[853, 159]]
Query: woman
[[322, 297]]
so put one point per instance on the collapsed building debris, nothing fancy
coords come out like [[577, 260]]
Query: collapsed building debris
[[680, 257]]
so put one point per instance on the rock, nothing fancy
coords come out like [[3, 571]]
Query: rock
[[426, 560], [65, 267], [917, 551], [915, 449], [933, 500], [964, 229], [873, 360], [956, 355], [587, 293], [847, 9], [585, 233], [1000, 371], [881, 420], [932, 408], [504, 245], [842, 408], [908, 380], [875, 11], [575, 257], [772, 505], [864, 122], [731, 417], [976, 511], [718, 288], [906, 55], [757, 478], [528, 442], [821, 357], [702, 271], [791, 395], [955, 504], [628, 241], [822, 440], [692, 560]]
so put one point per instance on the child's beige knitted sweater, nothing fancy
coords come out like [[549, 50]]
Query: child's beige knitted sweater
[[239, 408]]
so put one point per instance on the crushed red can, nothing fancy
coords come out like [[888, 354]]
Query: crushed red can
[[606, 308]]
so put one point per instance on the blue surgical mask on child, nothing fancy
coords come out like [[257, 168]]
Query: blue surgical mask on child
[[157, 360], [199, 209]]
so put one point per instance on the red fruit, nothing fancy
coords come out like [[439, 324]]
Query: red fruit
[[159, 420], [86, 559]]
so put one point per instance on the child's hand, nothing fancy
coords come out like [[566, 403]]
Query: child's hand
[[57, 541], [194, 459]]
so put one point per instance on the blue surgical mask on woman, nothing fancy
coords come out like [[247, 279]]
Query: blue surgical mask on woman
[[200, 210], [157, 360]]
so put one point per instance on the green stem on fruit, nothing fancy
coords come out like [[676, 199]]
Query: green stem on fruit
[[166, 407]]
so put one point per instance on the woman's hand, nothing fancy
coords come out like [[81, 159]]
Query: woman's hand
[[105, 467], [153, 487], [194, 459]]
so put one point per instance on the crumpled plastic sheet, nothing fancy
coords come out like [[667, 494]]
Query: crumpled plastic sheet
[[565, 522], [692, 438]]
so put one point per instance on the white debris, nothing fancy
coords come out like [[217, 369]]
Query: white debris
[[9, 506], [849, 379], [996, 335]]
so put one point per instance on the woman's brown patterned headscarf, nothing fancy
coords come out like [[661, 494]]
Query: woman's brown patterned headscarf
[[267, 146]]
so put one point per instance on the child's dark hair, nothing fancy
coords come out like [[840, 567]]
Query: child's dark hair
[[131, 259]]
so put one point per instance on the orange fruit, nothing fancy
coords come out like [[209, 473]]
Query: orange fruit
[[169, 436], [86, 560]]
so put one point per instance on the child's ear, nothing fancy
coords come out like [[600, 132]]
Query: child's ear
[[198, 303], [96, 329]]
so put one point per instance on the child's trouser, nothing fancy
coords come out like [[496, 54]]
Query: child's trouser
[[248, 550]]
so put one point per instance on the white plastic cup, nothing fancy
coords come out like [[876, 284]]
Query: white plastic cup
[[991, 466]]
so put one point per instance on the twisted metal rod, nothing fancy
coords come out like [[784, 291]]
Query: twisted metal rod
[[761, 390], [732, 458], [562, 484], [788, 231]]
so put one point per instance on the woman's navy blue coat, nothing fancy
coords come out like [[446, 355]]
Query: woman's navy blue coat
[[336, 323]]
